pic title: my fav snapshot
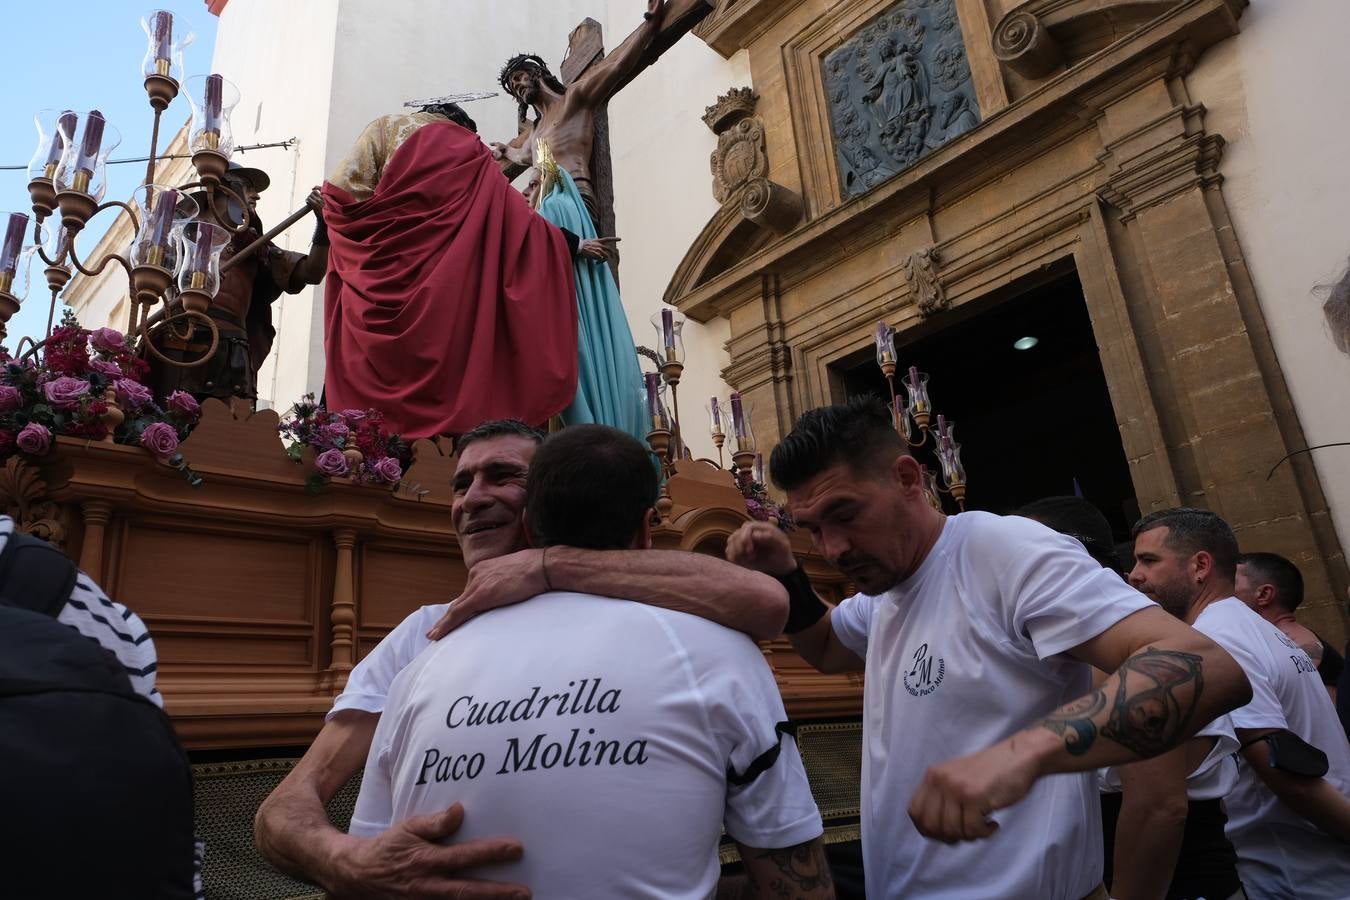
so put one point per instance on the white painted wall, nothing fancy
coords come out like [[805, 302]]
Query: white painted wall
[[280, 56], [1277, 94]]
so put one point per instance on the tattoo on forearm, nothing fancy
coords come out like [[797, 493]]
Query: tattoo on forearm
[[1156, 695], [801, 871]]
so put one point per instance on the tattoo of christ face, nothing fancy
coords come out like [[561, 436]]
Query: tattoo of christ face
[[1155, 700], [802, 868], [1148, 713]]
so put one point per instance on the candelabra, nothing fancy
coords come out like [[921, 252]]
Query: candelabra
[[180, 232], [916, 414]]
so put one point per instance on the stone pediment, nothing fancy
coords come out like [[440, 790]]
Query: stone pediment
[[1040, 36], [727, 240]]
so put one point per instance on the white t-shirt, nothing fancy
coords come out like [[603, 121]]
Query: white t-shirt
[[967, 651], [603, 734], [367, 687], [1217, 773], [1280, 854]]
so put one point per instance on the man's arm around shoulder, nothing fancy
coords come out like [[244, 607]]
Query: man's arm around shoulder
[[1315, 799]]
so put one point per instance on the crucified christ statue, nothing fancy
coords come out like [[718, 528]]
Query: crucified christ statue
[[558, 141], [564, 116]]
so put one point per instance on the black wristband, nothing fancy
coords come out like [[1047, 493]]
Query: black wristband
[[804, 607], [573, 242], [320, 231]]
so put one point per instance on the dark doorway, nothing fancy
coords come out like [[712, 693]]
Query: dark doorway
[[1031, 423]]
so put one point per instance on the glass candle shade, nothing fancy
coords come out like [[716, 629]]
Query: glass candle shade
[[51, 125], [717, 417], [202, 244], [14, 255], [740, 425], [212, 99], [166, 38], [949, 453], [884, 335], [162, 212], [916, 386], [84, 156], [669, 326], [657, 412]]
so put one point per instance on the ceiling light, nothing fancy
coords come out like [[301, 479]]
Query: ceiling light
[[1025, 343]]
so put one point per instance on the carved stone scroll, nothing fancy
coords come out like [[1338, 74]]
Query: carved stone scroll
[[899, 88], [925, 284]]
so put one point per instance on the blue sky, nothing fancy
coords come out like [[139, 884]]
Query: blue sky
[[102, 46]]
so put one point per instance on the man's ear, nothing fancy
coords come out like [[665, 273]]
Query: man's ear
[[1202, 566], [907, 474], [642, 540], [1265, 595]]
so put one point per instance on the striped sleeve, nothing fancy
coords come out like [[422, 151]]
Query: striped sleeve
[[118, 630]]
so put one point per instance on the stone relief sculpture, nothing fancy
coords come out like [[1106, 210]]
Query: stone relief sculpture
[[740, 154], [925, 284], [740, 164], [897, 89]]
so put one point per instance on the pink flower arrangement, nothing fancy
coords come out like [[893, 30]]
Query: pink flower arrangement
[[184, 404], [383, 457], [66, 392], [61, 392], [332, 463], [160, 438], [132, 394], [34, 439]]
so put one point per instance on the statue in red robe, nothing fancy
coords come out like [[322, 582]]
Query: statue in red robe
[[448, 300]]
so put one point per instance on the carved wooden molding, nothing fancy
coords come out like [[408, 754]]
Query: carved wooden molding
[[24, 498], [925, 284]]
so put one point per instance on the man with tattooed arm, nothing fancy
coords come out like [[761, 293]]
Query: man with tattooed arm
[[978, 633], [1289, 816]]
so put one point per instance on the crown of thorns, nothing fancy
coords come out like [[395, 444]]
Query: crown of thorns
[[519, 61]]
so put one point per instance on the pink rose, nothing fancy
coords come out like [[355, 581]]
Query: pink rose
[[132, 394], [34, 439], [108, 340], [66, 392], [160, 439], [183, 403], [106, 367], [10, 398], [388, 470], [332, 463], [355, 415]]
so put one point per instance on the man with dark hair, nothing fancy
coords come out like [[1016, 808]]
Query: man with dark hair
[[1162, 818], [979, 632], [413, 860], [1273, 587], [1289, 816], [620, 737]]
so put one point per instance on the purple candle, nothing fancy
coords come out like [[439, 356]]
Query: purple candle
[[759, 468], [737, 417], [212, 103], [715, 407], [943, 433], [201, 253], [163, 35], [914, 377], [885, 343], [65, 124], [15, 228], [668, 328], [161, 218], [653, 382], [93, 139]]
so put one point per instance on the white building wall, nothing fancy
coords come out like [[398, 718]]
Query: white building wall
[[1276, 93], [281, 56]]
